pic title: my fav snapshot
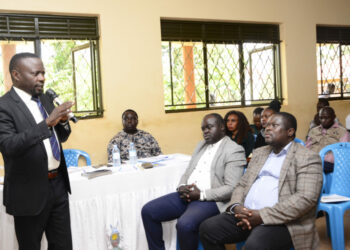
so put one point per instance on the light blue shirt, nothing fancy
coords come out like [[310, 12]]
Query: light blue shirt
[[264, 191]]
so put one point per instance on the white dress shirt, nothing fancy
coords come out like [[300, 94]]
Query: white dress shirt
[[34, 109], [201, 173], [264, 191]]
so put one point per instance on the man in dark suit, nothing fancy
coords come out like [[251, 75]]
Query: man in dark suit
[[36, 182]]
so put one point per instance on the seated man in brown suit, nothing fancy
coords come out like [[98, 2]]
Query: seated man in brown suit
[[274, 204]]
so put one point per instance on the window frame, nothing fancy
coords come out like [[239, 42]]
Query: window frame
[[339, 35], [230, 34], [35, 28]]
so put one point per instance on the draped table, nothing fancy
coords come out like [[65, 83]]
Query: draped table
[[107, 209]]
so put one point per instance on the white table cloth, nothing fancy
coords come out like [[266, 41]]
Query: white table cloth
[[111, 201]]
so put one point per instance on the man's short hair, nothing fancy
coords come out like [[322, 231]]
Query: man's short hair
[[220, 121], [289, 121], [18, 57], [328, 109], [130, 110], [258, 110]]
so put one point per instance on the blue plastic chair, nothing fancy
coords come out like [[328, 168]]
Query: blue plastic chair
[[72, 157], [299, 141], [337, 182]]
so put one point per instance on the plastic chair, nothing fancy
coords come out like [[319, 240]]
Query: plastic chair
[[72, 157], [299, 141], [337, 182]]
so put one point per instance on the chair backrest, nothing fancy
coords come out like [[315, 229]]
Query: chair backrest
[[338, 182], [299, 141], [72, 157]]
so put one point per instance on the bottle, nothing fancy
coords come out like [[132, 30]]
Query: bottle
[[132, 154], [116, 156]]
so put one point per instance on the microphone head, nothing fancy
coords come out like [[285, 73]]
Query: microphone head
[[51, 94]]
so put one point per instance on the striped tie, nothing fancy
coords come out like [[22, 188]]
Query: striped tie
[[53, 141]]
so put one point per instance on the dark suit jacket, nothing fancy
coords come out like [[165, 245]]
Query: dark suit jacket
[[26, 165]]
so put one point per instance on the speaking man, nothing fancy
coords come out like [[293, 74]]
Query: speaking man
[[36, 182]]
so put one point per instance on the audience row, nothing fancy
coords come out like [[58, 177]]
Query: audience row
[[214, 201]]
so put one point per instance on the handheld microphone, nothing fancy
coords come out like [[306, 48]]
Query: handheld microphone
[[54, 98]]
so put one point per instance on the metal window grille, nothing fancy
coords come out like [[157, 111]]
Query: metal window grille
[[69, 48], [218, 65], [333, 62]]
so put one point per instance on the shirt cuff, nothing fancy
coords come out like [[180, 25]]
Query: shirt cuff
[[203, 196], [64, 123], [231, 209]]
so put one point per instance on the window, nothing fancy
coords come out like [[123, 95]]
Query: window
[[209, 65], [69, 48], [333, 62]]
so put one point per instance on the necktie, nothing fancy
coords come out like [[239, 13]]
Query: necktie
[[53, 141]]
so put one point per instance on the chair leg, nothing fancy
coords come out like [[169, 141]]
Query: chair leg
[[336, 223], [200, 246]]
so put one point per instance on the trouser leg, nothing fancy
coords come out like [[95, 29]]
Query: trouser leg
[[58, 229], [165, 208], [188, 224], [219, 230], [29, 231], [272, 237]]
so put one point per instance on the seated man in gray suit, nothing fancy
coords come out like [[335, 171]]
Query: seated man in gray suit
[[274, 204], [204, 190]]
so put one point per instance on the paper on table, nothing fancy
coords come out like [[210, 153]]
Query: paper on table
[[156, 159], [92, 172], [334, 198]]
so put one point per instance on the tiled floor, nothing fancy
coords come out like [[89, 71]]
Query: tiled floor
[[322, 232]]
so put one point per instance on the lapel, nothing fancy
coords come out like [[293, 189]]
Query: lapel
[[286, 165], [22, 107], [218, 152]]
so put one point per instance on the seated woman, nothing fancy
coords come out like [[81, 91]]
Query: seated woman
[[145, 144], [238, 129], [274, 107], [256, 126], [327, 133]]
